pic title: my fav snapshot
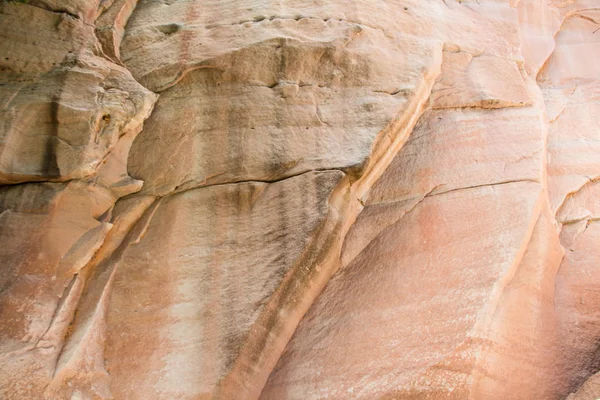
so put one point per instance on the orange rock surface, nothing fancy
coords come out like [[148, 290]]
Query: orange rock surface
[[290, 200]]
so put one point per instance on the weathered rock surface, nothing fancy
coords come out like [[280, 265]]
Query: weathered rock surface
[[395, 322], [68, 119], [272, 199], [64, 108], [589, 390]]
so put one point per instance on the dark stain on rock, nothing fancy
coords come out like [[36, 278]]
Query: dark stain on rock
[[50, 167], [168, 29]]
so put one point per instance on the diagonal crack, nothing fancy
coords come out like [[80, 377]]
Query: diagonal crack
[[194, 184], [433, 192], [271, 332]]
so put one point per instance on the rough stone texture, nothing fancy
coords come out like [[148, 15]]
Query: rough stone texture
[[285, 199], [67, 121], [589, 390], [207, 226], [64, 108], [395, 322]]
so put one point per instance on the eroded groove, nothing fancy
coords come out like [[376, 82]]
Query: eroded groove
[[96, 278], [277, 322]]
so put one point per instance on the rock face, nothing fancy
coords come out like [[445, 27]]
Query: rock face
[[366, 199]]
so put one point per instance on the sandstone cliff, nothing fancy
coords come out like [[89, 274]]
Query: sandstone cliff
[[286, 199]]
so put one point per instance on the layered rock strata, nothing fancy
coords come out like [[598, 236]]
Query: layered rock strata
[[299, 200]]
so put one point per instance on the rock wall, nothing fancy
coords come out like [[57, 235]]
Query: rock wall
[[285, 199]]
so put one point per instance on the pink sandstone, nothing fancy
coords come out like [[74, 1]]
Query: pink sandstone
[[285, 199]]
